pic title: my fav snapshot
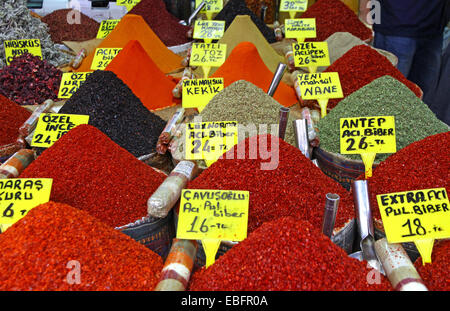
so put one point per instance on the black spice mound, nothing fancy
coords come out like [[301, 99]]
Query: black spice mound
[[238, 7], [117, 112]]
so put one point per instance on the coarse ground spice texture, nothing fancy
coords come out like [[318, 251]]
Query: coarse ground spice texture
[[287, 254], [295, 187], [436, 275], [12, 116], [334, 16], [165, 25], [424, 164], [92, 173], [353, 75], [383, 97], [40, 251], [84, 28], [116, 111]]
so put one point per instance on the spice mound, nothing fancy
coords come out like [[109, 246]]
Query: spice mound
[[56, 247], [287, 254], [281, 181], [116, 111], [334, 16], [354, 76], [12, 116], [238, 7], [436, 275], [383, 97], [165, 25], [28, 80], [424, 164], [70, 25], [134, 67], [245, 63], [92, 173]]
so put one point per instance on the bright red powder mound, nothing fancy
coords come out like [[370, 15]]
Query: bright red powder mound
[[12, 116], [436, 275], [42, 250]]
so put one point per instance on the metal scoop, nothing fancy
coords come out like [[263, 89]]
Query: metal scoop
[[276, 79], [193, 15]]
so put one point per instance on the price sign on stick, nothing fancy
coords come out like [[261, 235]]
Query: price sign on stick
[[207, 55], [419, 216], [129, 4], [208, 30], [300, 28], [368, 136], [198, 92], [321, 87], [15, 48], [293, 6], [70, 83], [211, 6], [213, 216], [103, 56], [311, 55], [106, 27], [20, 195]]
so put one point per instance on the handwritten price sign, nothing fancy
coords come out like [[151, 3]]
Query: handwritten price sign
[[103, 56]]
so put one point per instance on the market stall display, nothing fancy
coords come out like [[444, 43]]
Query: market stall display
[[437, 275]]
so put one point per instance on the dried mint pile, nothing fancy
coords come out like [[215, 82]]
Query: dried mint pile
[[282, 255], [238, 7], [436, 275], [385, 96], [116, 111], [40, 250]]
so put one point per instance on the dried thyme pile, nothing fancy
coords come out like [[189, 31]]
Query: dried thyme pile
[[17, 23], [385, 96]]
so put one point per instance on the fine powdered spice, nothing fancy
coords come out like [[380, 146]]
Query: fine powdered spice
[[12, 116], [283, 255], [134, 27], [255, 6], [383, 97], [334, 16], [17, 23], [137, 70], [165, 25], [293, 186], [117, 112], [234, 8], [245, 63], [436, 275], [53, 239], [353, 75], [92, 173], [28, 80], [83, 27]]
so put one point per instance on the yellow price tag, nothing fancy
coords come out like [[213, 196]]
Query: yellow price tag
[[198, 92], [311, 55], [300, 28], [129, 4], [368, 136], [293, 6], [103, 56], [51, 126], [208, 55], [419, 216], [211, 6], [71, 82], [213, 216], [19, 196], [15, 48], [106, 27], [210, 140], [208, 30]]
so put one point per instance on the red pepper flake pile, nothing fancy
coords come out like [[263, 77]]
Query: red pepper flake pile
[[360, 66], [287, 254], [92, 173], [424, 164], [295, 188], [334, 16], [12, 116], [60, 30], [28, 80], [165, 25], [44, 250], [436, 275]]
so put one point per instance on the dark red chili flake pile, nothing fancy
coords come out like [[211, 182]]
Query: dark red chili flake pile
[[334, 16], [92, 173], [165, 25], [60, 30], [45, 250], [287, 254], [360, 66], [295, 188], [28, 80], [436, 275], [12, 116], [424, 164]]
